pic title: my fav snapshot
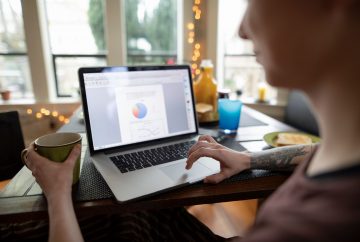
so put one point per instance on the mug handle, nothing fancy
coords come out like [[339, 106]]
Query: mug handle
[[24, 154]]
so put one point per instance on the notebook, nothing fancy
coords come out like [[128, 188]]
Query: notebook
[[140, 123]]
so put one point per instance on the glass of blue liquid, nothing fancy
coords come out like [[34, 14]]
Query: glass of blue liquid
[[229, 115]]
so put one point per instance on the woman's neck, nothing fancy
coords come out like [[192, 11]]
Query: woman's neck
[[338, 111]]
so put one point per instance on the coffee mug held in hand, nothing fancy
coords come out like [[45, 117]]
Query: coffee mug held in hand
[[57, 147]]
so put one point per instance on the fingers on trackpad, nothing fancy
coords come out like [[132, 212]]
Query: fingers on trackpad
[[179, 174]]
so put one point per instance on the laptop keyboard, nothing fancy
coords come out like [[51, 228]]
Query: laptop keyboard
[[151, 157]]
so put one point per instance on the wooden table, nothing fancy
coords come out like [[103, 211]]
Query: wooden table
[[22, 199]]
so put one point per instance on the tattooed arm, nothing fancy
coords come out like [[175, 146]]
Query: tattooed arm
[[280, 159], [233, 162]]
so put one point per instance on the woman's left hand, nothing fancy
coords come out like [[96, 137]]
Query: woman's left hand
[[54, 178]]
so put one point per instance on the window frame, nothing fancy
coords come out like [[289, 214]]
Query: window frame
[[42, 61], [54, 56], [173, 55]]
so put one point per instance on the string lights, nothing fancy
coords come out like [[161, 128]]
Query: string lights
[[192, 40], [43, 112]]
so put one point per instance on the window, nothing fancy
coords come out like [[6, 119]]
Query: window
[[76, 31], [241, 71], [151, 31], [14, 66]]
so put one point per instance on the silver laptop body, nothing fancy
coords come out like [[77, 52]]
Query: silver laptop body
[[138, 109]]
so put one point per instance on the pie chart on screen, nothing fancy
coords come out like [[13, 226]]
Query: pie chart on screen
[[139, 110]]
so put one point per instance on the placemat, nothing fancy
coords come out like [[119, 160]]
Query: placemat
[[92, 186], [246, 121]]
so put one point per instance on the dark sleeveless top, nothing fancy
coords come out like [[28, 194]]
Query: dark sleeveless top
[[325, 207]]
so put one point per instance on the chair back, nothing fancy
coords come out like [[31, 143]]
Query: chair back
[[299, 114], [11, 143]]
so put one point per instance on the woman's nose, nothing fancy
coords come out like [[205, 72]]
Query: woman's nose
[[242, 28]]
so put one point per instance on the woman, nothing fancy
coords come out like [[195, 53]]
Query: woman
[[308, 45]]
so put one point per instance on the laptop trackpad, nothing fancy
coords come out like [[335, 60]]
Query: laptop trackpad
[[179, 174]]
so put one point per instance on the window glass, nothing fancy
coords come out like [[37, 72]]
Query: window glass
[[67, 73], [15, 76], [241, 71], [77, 39], [14, 66], [76, 26], [151, 31], [11, 27]]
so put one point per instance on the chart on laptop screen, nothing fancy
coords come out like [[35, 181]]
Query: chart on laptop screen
[[142, 114]]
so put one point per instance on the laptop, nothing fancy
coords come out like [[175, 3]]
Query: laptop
[[140, 123]]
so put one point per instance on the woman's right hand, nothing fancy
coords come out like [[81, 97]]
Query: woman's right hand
[[231, 161]]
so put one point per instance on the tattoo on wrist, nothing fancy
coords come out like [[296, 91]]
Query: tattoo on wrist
[[281, 159]]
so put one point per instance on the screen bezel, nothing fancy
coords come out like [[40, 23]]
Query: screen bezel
[[85, 70]]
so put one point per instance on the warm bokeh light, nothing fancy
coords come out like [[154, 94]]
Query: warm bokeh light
[[196, 54], [54, 113], [45, 112]]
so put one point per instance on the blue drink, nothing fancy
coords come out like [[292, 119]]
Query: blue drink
[[229, 115]]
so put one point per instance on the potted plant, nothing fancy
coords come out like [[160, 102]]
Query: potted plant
[[5, 93]]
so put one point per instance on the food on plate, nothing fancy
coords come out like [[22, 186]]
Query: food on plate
[[284, 139], [204, 108]]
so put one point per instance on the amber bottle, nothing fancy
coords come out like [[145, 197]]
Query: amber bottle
[[205, 90]]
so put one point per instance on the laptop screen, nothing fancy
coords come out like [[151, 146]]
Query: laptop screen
[[127, 106]]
